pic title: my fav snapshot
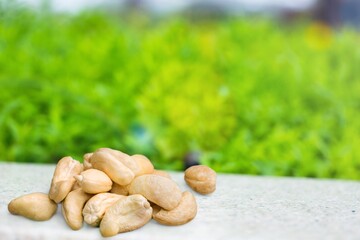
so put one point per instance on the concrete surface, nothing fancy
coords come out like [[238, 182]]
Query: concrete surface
[[243, 207]]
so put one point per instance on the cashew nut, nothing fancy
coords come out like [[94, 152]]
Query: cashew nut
[[87, 164], [161, 173], [94, 181], [63, 179], [157, 189], [72, 208], [35, 206], [201, 179], [122, 157], [183, 213], [108, 161], [145, 165], [119, 189], [95, 208], [127, 214]]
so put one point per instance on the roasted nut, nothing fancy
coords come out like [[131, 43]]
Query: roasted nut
[[35, 206], [201, 179], [108, 161], [157, 189], [95, 208], [72, 208], [127, 214], [63, 179], [161, 173], [119, 189], [145, 165], [183, 213], [94, 181]]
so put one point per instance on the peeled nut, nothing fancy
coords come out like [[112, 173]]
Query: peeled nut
[[161, 173], [63, 179], [94, 181], [127, 214], [157, 189], [201, 179], [122, 157], [113, 162], [145, 165], [95, 208], [72, 208], [119, 189], [183, 213], [35, 206], [75, 186], [87, 164]]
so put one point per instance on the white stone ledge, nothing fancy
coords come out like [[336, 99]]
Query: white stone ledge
[[243, 207]]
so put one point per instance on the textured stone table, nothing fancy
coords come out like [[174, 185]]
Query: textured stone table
[[243, 207]]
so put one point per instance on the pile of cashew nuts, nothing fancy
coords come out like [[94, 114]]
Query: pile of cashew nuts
[[116, 192]]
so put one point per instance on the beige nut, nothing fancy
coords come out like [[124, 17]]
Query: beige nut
[[86, 158], [127, 214], [72, 208], [108, 161], [157, 189], [95, 208], [94, 181], [123, 157], [145, 165], [119, 189], [183, 213], [201, 179], [35, 206], [63, 179], [75, 186], [161, 173]]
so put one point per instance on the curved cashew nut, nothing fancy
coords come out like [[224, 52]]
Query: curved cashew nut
[[86, 163], [157, 189], [94, 181], [35, 206], [63, 179], [127, 214], [145, 165], [183, 213], [95, 208], [108, 161], [201, 179], [72, 208]]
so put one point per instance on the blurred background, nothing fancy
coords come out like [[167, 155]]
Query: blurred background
[[245, 86]]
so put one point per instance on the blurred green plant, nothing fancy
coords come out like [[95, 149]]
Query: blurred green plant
[[252, 96]]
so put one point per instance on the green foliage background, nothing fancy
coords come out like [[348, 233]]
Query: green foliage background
[[251, 95]]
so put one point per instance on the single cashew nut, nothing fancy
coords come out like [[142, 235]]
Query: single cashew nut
[[124, 158], [201, 179], [120, 189], [127, 214], [63, 179], [161, 173], [95, 208], [35, 206], [107, 161], [157, 189], [183, 213], [94, 181], [145, 165], [87, 164], [72, 208]]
